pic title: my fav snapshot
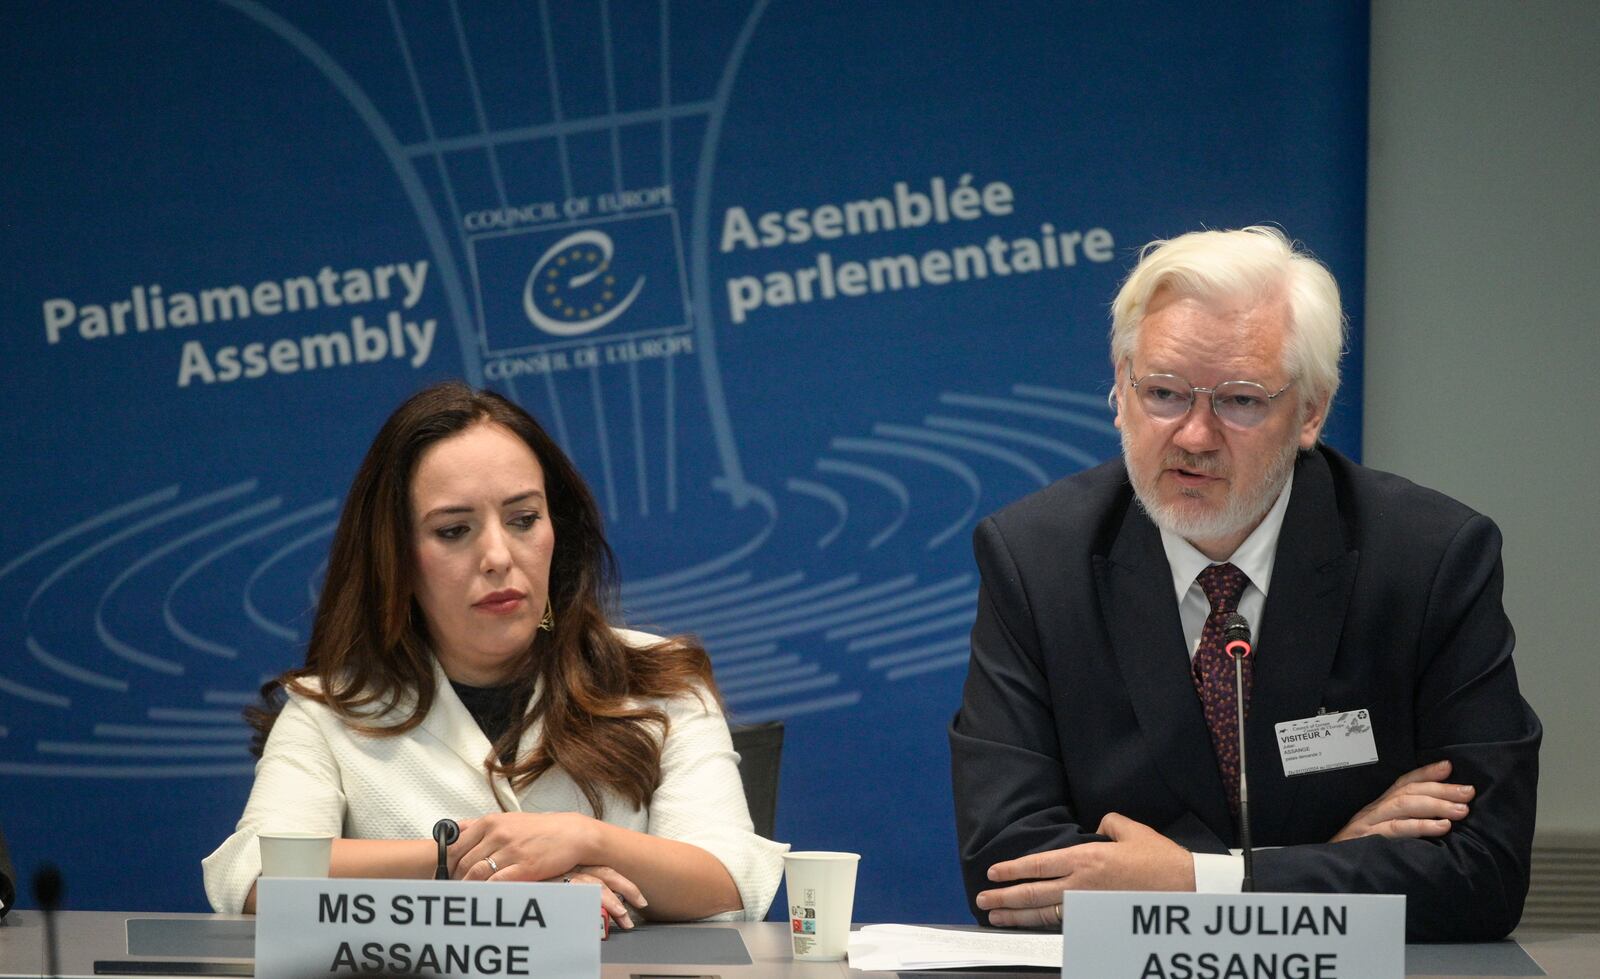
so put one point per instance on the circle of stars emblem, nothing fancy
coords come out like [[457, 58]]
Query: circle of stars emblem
[[579, 259]]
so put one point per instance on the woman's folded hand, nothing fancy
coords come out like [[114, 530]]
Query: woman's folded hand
[[523, 846], [618, 894]]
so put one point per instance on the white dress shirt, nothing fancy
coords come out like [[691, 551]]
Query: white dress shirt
[[1215, 872]]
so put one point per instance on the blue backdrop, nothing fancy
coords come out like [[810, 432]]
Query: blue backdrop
[[805, 288]]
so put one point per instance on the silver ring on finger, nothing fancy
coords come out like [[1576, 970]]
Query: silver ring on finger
[[494, 868], [1057, 909]]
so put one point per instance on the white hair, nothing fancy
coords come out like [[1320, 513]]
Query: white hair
[[1251, 263]]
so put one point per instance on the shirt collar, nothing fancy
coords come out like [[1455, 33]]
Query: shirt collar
[[1254, 557]]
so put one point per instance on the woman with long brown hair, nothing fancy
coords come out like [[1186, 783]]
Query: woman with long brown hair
[[461, 665]]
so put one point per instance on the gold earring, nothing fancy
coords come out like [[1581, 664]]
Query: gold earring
[[548, 622]]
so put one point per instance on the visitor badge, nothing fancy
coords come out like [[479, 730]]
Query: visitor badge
[[1326, 742]]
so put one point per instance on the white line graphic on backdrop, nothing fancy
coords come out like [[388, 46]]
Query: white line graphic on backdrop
[[900, 627], [786, 640], [126, 560]]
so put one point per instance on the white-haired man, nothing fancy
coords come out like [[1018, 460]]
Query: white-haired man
[[1096, 744]]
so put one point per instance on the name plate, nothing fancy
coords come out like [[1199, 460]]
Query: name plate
[[348, 927], [1125, 935]]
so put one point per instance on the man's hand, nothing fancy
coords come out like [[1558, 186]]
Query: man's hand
[[1419, 803], [1137, 859]]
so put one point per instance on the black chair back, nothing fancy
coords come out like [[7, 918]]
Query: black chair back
[[760, 748], [8, 877]]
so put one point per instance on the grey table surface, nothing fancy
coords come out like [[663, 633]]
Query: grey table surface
[[88, 936]]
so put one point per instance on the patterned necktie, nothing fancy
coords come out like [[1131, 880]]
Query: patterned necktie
[[1213, 673]]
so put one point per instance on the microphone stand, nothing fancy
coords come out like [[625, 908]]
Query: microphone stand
[[1236, 643], [47, 891], [1248, 884]]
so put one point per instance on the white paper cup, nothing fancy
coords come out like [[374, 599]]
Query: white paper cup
[[821, 887], [290, 853]]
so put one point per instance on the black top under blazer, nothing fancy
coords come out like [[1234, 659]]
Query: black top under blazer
[[1384, 595]]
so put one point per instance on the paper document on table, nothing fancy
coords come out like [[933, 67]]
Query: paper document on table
[[887, 948]]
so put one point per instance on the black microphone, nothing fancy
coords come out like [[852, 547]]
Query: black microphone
[[1236, 643], [445, 832], [47, 890]]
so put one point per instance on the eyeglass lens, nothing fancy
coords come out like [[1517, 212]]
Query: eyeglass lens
[[1242, 404]]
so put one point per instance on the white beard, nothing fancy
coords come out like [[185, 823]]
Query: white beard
[[1244, 507]]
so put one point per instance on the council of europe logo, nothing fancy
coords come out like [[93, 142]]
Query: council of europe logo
[[574, 279], [553, 286]]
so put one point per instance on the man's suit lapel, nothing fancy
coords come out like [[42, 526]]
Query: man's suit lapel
[[1147, 639], [1312, 576]]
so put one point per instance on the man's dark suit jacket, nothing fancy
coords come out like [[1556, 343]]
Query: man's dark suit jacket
[[1384, 596]]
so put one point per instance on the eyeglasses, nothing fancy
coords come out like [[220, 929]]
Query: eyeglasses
[[1237, 404]]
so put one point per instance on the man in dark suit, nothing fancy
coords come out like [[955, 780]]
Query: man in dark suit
[[1095, 746]]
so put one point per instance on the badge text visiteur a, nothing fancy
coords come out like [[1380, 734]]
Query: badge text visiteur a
[[1148, 935], [350, 927]]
